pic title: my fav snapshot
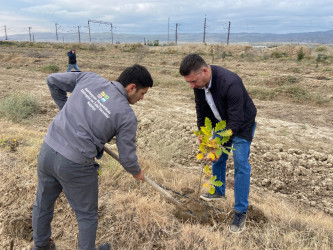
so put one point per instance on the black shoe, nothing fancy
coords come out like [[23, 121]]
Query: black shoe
[[49, 246], [238, 223], [104, 246], [211, 197]]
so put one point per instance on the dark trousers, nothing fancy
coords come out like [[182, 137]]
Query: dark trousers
[[80, 185]]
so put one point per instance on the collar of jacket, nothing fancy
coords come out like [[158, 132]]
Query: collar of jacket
[[120, 88]]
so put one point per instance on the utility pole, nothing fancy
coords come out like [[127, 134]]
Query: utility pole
[[111, 33], [56, 25], [176, 32], [78, 31], [89, 31], [168, 28], [204, 34], [30, 33], [228, 33], [6, 38]]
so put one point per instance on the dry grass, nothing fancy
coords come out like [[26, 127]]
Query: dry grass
[[132, 215]]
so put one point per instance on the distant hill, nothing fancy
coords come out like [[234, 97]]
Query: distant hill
[[324, 37]]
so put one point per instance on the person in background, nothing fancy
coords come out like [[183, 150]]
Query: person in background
[[72, 63], [96, 111], [221, 95]]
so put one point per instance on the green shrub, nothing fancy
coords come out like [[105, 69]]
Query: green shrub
[[265, 57], [300, 55], [296, 93], [291, 79], [51, 68], [277, 54], [19, 106], [7, 43], [321, 58], [321, 48]]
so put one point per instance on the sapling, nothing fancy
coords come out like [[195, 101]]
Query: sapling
[[211, 147]]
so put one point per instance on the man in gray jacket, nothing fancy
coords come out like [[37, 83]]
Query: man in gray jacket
[[96, 111]]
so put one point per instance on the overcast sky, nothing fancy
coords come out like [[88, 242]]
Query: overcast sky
[[153, 16]]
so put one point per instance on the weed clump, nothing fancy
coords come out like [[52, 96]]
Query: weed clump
[[19, 106], [51, 68]]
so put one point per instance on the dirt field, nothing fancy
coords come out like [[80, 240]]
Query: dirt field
[[291, 155]]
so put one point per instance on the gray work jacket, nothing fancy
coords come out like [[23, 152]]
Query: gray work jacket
[[96, 111]]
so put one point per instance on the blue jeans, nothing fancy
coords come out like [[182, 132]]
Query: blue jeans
[[71, 66], [242, 172]]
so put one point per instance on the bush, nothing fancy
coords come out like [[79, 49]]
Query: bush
[[19, 106], [277, 54], [300, 55], [321, 48], [51, 68], [321, 58]]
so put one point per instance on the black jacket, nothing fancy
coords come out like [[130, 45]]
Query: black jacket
[[232, 101], [71, 57]]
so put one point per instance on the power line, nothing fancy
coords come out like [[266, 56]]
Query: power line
[[101, 22]]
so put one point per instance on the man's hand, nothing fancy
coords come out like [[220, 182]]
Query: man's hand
[[140, 176]]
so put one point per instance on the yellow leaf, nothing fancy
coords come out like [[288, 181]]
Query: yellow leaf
[[202, 148], [205, 185], [211, 189], [211, 156], [200, 156], [206, 131]]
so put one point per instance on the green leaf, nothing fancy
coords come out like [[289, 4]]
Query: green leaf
[[218, 140], [225, 133], [225, 140], [218, 183], [211, 189], [220, 125], [212, 179], [218, 152], [207, 170], [197, 133], [206, 131], [208, 124], [202, 148], [225, 151]]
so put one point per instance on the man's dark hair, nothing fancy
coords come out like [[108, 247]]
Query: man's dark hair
[[191, 62], [136, 74]]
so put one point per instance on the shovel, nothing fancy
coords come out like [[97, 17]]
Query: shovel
[[152, 183]]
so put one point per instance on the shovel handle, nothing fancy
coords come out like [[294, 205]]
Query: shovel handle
[[148, 180]]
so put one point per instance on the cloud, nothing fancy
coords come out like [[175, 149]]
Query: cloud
[[152, 15]]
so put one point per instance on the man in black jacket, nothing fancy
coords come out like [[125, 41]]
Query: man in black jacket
[[72, 63], [221, 95]]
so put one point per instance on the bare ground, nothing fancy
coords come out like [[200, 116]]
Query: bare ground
[[291, 155]]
